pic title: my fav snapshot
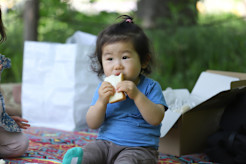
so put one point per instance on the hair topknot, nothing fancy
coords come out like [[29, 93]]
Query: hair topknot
[[126, 18]]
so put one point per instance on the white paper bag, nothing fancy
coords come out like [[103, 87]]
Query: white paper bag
[[58, 85]]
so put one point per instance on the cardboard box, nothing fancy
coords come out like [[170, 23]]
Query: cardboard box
[[187, 133]]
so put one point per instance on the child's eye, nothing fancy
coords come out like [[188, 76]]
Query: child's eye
[[125, 57], [109, 59]]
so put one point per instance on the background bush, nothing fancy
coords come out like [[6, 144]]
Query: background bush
[[217, 43], [182, 53]]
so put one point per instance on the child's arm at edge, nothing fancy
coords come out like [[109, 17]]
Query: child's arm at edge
[[151, 112]]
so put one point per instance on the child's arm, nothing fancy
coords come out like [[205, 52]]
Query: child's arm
[[151, 112], [96, 114]]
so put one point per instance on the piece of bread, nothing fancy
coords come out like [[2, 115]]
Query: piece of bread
[[118, 96]]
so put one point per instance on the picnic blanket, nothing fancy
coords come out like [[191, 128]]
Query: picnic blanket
[[48, 146]]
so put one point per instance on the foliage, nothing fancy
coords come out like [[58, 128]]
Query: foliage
[[57, 23], [13, 47], [182, 53]]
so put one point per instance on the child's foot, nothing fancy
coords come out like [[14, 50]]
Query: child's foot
[[73, 156]]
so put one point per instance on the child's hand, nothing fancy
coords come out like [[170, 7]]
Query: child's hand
[[128, 87], [21, 122], [105, 91]]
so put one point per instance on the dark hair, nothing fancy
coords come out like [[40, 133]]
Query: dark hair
[[125, 30], [2, 30]]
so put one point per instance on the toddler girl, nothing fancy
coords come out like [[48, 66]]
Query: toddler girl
[[129, 130]]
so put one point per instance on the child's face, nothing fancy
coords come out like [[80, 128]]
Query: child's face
[[121, 57]]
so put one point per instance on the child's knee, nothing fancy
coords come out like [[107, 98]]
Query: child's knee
[[21, 146], [16, 148]]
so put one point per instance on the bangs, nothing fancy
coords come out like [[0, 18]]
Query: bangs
[[108, 39]]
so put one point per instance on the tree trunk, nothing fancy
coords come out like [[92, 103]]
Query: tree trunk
[[31, 17], [162, 13]]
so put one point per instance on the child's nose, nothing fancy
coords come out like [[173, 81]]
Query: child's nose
[[118, 65]]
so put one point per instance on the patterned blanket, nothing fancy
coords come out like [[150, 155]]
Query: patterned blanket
[[48, 146]]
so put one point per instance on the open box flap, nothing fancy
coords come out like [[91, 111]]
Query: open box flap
[[169, 120], [240, 75], [221, 99], [212, 89], [238, 84], [210, 84]]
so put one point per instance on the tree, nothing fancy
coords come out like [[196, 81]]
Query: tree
[[161, 13], [31, 17]]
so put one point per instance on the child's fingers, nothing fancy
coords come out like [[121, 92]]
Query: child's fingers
[[107, 88], [23, 125], [19, 119], [23, 120]]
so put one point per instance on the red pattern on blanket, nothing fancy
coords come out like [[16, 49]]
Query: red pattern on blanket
[[48, 146]]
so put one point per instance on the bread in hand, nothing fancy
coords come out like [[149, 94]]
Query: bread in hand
[[114, 80]]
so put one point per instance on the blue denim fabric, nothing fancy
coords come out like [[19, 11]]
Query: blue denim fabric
[[5, 120]]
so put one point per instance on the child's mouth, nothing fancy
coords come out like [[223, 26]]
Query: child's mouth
[[117, 74]]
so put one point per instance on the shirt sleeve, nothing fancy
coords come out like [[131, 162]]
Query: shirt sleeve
[[154, 93], [96, 95]]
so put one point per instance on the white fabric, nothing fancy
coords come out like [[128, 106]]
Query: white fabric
[[58, 84]]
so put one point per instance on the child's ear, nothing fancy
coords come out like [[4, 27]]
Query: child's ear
[[145, 63]]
